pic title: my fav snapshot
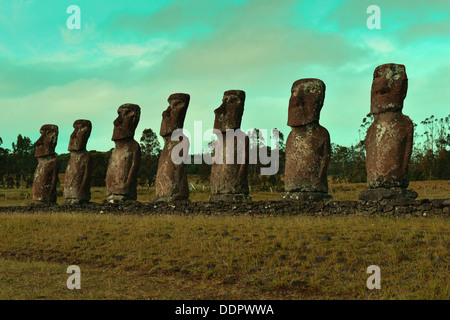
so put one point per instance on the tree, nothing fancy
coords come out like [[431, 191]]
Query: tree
[[281, 152], [443, 133], [23, 160], [99, 167], [362, 131], [150, 152], [430, 158], [3, 161], [256, 143]]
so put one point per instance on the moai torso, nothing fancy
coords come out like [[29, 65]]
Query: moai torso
[[46, 174], [45, 178], [230, 176], [308, 144], [388, 149], [389, 139], [171, 179], [123, 166], [77, 183], [121, 176], [307, 162]]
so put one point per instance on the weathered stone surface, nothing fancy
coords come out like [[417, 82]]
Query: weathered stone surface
[[46, 174], [123, 167], [173, 117], [389, 88], [229, 172], [398, 208], [389, 139], [307, 196], [229, 114], [308, 144], [229, 197], [306, 102], [380, 194], [307, 158], [389, 144], [77, 182], [230, 177], [171, 179]]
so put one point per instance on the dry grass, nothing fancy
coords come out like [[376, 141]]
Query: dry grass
[[435, 189], [173, 257]]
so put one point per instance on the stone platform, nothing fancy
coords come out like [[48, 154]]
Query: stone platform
[[422, 208], [306, 196], [379, 194], [229, 197]]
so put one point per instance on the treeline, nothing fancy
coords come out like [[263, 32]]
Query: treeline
[[430, 159]]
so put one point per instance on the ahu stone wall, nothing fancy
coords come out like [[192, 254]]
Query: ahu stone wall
[[416, 208]]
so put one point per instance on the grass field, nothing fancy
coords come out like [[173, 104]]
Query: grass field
[[435, 189], [199, 257], [173, 257]]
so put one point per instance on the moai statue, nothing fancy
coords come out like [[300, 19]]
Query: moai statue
[[77, 183], [46, 174], [171, 179], [308, 144], [123, 166], [389, 139], [230, 166]]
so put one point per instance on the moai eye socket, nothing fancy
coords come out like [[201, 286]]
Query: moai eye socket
[[176, 103], [383, 90]]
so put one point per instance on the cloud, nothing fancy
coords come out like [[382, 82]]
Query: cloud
[[95, 100], [206, 47], [76, 37], [380, 44], [185, 18]]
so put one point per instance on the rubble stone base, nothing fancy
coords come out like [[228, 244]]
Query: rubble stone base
[[229, 197], [307, 196], [379, 194]]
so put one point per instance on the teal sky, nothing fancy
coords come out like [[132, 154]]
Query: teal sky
[[142, 51]]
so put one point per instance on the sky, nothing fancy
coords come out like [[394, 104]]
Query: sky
[[142, 51]]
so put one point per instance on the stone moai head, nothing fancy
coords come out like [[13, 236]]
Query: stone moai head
[[173, 116], [229, 114], [127, 121], [80, 135], [389, 88], [45, 145], [307, 96]]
